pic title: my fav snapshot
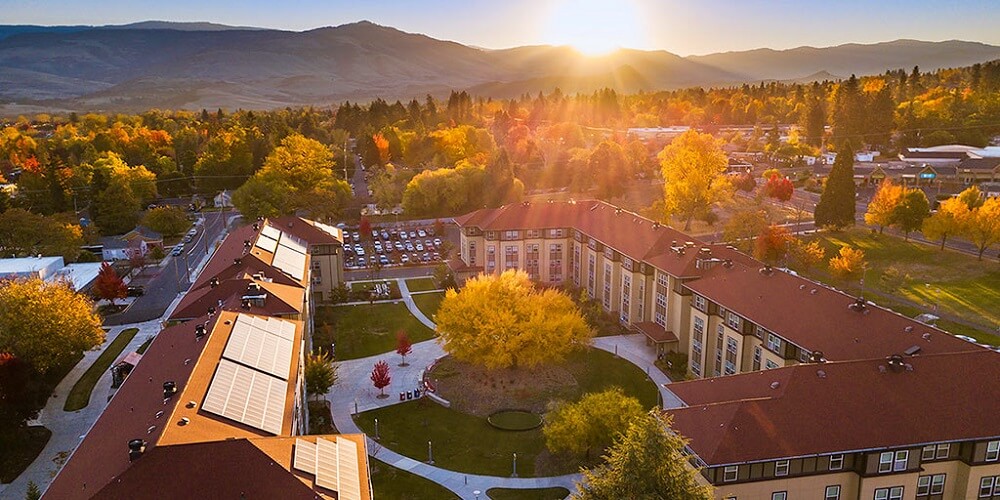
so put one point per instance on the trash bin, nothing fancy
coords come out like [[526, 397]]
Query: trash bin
[[402, 396], [416, 393], [409, 394]]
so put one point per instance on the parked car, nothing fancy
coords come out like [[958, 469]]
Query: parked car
[[437, 242], [135, 291], [421, 233], [178, 249], [404, 259]]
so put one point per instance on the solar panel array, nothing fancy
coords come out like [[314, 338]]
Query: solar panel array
[[290, 257], [262, 343], [335, 465], [247, 396], [267, 244]]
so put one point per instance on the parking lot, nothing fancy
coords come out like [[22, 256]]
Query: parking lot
[[394, 246]]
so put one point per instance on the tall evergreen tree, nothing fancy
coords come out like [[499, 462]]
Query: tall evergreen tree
[[836, 205]]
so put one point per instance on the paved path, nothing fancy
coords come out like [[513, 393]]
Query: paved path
[[633, 349]]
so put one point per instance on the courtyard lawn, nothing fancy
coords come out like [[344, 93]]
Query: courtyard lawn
[[359, 289], [79, 395], [428, 303], [390, 482], [534, 494], [21, 450], [923, 278], [366, 330], [421, 284]]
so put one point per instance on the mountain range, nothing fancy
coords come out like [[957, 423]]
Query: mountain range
[[204, 65]]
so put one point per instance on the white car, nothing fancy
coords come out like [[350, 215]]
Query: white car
[[421, 233], [404, 259], [437, 242], [420, 247]]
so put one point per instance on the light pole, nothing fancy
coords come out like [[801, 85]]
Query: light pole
[[514, 474], [430, 455], [476, 492], [376, 430]]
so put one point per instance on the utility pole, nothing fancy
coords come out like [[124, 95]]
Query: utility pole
[[345, 156]]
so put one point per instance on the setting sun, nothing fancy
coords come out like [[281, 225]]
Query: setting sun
[[595, 27]]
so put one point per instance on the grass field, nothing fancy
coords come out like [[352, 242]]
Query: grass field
[[535, 494], [145, 345], [390, 482], [79, 395], [366, 330], [421, 284], [428, 303], [925, 278], [467, 443], [19, 452]]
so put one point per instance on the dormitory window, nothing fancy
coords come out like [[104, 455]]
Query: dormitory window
[[699, 302], [626, 296], [718, 349], [756, 357], [642, 300], [660, 314], [836, 462], [555, 262], [989, 486], [607, 286], [472, 253], [510, 235], [533, 233], [730, 473], [759, 332], [590, 274], [491, 258], [781, 468], [993, 451], [770, 365], [627, 263], [779, 495], [510, 258], [731, 349], [576, 265], [773, 342], [832, 492], [893, 493], [804, 355], [930, 485], [733, 321], [932, 452], [531, 260], [892, 462], [555, 233]]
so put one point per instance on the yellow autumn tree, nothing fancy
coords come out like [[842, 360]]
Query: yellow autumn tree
[[694, 180], [505, 322], [983, 227], [848, 264], [46, 324], [952, 216], [882, 209]]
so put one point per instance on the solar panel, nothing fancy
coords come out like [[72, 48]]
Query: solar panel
[[271, 232], [265, 349], [247, 396], [327, 465], [305, 456], [350, 483], [290, 261], [292, 242], [267, 244]]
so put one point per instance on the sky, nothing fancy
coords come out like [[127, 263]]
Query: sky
[[682, 27]]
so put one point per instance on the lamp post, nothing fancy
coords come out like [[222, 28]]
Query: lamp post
[[476, 492], [430, 455], [514, 474], [376, 430]]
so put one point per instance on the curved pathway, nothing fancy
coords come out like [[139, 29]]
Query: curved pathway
[[633, 348]]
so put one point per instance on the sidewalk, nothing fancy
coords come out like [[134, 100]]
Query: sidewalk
[[633, 348]]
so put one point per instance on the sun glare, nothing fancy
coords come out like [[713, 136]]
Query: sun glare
[[595, 27]]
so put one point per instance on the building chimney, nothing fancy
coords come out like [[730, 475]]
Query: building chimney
[[816, 357], [237, 261]]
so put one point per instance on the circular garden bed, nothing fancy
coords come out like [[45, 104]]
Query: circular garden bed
[[515, 420]]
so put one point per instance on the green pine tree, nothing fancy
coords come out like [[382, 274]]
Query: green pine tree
[[836, 205]]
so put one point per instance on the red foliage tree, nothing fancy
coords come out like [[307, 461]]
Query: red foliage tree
[[403, 345], [772, 245], [109, 285], [380, 377], [779, 188], [365, 228]]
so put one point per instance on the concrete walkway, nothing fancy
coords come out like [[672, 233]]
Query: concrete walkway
[[633, 349]]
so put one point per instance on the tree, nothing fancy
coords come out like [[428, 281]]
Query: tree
[[882, 209], [743, 226], [108, 285], [836, 205], [952, 216], [983, 228], [444, 277], [648, 461], [807, 255], [773, 245], [380, 377], [779, 188], [168, 221], [32, 493], [502, 321], [693, 167], [46, 324], [118, 208], [403, 346], [609, 167], [745, 182], [590, 424], [24, 233], [847, 264], [911, 212], [320, 372]]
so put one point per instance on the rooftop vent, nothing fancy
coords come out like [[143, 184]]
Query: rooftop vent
[[136, 447], [813, 291], [169, 389], [184, 421], [256, 227], [199, 331], [775, 384], [767, 270], [926, 336], [908, 328], [237, 261], [821, 373], [816, 357], [211, 311], [253, 287], [214, 282], [912, 351], [689, 244], [728, 263], [895, 362], [802, 286], [656, 225], [858, 305]]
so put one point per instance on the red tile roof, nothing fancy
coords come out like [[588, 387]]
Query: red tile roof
[[137, 411], [817, 318], [810, 410], [304, 230], [655, 332], [281, 300]]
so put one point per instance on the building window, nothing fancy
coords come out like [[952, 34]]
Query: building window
[[932, 452], [555, 262], [836, 462], [642, 300], [892, 462], [699, 303], [930, 485], [899, 464], [779, 495], [576, 265], [730, 473], [696, 346], [893, 493], [510, 257], [627, 263], [660, 312], [591, 261], [731, 350], [531, 260], [719, 334], [609, 253], [781, 468], [491, 258], [607, 286], [510, 235], [533, 233], [626, 296], [472, 253], [770, 365], [989, 486], [759, 332], [555, 233], [832, 492], [756, 357], [804, 355], [733, 321], [993, 451], [774, 343], [885, 462]]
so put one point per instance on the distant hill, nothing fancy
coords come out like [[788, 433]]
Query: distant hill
[[205, 65]]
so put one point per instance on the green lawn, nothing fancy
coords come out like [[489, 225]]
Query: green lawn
[[390, 482], [535, 494], [467, 443], [928, 278], [366, 330], [428, 303], [79, 396], [359, 290], [145, 345], [421, 284], [19, 451]]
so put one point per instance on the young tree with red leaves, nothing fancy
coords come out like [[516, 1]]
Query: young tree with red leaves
[[779, 188], [773, 245], [403, 346], [109, 285], [365, 228], [380, 377]]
